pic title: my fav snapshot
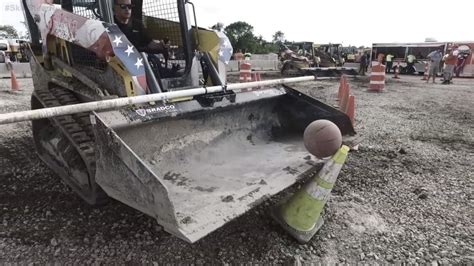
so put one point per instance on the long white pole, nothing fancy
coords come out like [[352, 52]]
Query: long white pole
[[120, 102]]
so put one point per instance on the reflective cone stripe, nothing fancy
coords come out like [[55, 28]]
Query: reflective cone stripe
[[303, 210]]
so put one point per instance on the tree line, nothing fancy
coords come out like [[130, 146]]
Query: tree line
[[10, 32], [241, 36]]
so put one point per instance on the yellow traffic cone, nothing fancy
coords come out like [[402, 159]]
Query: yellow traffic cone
[[300, 215]]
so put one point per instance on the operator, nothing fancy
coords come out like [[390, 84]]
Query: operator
[[134, 29]]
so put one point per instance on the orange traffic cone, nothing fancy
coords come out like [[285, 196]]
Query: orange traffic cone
[[350, 111], [256, 76], [342, 85], [15, 85], [344, 98]]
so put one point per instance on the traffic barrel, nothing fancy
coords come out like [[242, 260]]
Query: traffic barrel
[[245, 72], [377, 77]]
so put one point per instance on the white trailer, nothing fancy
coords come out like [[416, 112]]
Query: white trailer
[[420, 51]]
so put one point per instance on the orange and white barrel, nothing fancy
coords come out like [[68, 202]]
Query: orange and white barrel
[[377, 77], [245, 72]]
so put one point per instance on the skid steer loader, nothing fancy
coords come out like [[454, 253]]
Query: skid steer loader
[[193, 162]]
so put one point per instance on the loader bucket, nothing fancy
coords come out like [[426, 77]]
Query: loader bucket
[[195, 168]]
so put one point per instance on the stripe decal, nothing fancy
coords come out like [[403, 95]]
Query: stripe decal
[[378, 82]]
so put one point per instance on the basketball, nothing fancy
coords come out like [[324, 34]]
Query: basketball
[[322, 138]]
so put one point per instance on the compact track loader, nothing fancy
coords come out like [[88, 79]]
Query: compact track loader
[[196, 156]]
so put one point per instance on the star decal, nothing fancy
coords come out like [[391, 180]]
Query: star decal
[[107, 30], [221, 53], [117, 40], [129, 50], [139, 63]]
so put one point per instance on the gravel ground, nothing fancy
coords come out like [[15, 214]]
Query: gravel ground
[[405, 196]]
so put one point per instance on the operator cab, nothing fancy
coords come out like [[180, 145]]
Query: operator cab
[[163, 20]]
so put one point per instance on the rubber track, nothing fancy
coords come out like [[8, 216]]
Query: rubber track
[[76, 127]]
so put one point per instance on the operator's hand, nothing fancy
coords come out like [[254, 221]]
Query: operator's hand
[[158, 45]]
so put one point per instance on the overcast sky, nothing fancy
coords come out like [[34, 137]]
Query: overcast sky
[[359, 22]]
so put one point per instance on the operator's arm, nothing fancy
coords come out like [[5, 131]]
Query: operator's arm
[[429, 55]]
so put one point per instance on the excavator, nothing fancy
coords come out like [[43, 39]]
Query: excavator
[[164, 134]]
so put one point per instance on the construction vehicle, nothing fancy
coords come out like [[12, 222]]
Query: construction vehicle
[[293, 63], [15, 49], [152, 132], [13, 55], [322, 60], [331, 54]]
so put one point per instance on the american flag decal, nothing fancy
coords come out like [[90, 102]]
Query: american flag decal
[[104, 39], [225, 48]]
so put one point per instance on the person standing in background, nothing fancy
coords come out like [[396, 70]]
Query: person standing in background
[[461, 61], [367, 60], [388, 62], [363, 64], [449, 63], [435, 59], [411, 63]]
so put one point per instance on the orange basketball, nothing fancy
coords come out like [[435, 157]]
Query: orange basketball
[[322, 138]]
